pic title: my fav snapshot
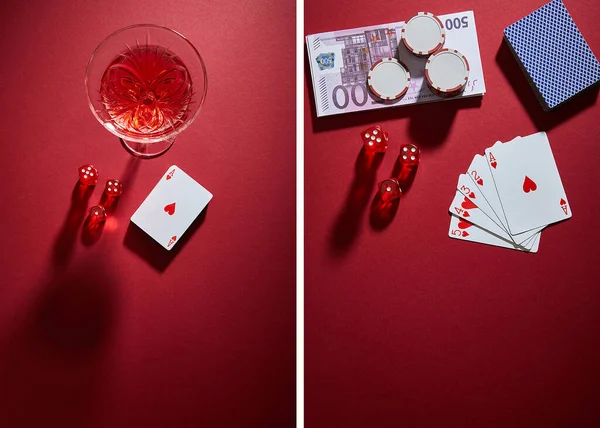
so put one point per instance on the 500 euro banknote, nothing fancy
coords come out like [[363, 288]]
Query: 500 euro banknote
[[340, 62]]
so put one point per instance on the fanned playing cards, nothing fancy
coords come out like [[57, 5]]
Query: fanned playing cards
[[509, 194]]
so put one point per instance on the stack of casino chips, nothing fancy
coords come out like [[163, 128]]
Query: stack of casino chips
[[446, 70], [388, 79], [423, 34], [447, 73]]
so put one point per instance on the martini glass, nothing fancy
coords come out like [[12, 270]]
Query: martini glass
[[145, 84]]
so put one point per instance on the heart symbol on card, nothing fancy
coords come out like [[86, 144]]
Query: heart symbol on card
[[494, 163], [480, 182], [529, 185], [465, 234], [466, 214], [472, 195], [172, 240], [170, 209], [464, 224], [468, 204], [563, 205]]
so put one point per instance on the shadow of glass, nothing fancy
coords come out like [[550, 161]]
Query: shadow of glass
[[128, 176], [56, 356], [76, 310]]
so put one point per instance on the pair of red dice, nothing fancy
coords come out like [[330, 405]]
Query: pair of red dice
[[88, 176], [409, 158], [376, 140]]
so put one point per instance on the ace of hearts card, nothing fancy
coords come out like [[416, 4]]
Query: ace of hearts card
[[171, 207]]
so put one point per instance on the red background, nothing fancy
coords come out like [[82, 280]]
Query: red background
[[122, 333], [406, 327]]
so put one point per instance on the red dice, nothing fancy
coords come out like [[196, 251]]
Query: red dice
[[375, 139], [410, 154], [97, 214], [88, 175], [389, 190], [113, 188], [409, 158]]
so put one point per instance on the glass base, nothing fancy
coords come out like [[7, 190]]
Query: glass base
[[147, 150]]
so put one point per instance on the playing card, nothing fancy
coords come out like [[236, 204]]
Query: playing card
[[466, 186], [171, 207], [480, 174], [466, 209], [528, 183], [465, 231]]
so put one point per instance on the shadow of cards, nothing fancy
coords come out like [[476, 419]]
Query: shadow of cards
[[151, 251]]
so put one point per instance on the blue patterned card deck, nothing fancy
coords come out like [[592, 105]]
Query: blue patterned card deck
[[555, 56]]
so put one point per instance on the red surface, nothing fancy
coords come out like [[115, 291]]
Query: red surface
[[111, 330], [406, 327]]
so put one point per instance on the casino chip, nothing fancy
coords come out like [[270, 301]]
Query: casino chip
[[447, 72], [388, 79], [423, 34]]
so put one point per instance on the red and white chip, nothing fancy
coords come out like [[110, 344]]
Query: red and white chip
[[447, 72], [388, 79], [423, 34]]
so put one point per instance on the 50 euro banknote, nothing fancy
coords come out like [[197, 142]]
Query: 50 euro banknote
[[340, 62]]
